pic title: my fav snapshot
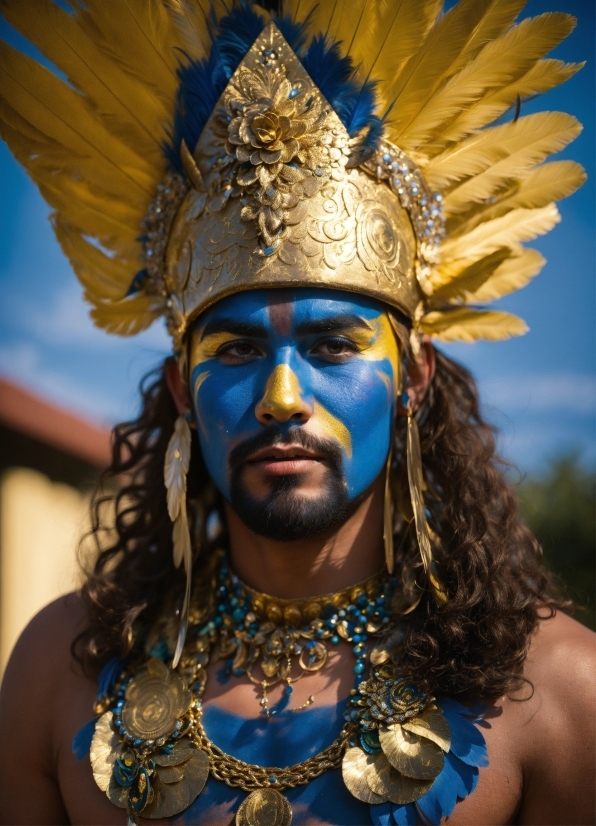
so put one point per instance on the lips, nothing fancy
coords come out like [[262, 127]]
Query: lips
[[284, 459]]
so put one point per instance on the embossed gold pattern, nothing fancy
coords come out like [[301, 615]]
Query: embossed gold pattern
[[279, 173], [264, 807], [155, 700]]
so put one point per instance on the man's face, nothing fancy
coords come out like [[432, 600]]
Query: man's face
[[294, 396]]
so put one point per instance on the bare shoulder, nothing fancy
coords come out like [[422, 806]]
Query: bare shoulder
[[561, 660], [54, 627], [556, 727], [41, 659], [41, 691]]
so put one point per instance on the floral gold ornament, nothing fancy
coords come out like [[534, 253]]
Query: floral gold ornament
[[403, 738]]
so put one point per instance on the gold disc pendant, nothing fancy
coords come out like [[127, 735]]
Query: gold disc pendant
[[265, 807]]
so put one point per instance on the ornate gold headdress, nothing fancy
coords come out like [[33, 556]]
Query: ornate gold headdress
[[195, 150]]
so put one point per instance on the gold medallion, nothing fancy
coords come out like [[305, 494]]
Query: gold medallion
[[155, 700], [264, 807]]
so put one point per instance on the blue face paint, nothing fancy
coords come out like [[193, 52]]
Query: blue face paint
[[322, 360]]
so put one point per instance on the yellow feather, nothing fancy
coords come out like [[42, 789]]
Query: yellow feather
[[102, 276], [84, 210], [65, 117], [127, 317], [548, 182], [140, 38], [512, 275], [499, 16], [467, 325], [544, 75], [190, 22], [125, 107], [389, 33], [517, 226], [176, 463], [434, 61], [379, 35], [499, 63], [499, 153], [471, 278]]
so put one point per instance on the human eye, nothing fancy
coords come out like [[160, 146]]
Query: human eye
[[236, 352], [335, 349]]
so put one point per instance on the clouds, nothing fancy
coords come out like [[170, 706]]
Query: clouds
[[573, 393], [24, 363]]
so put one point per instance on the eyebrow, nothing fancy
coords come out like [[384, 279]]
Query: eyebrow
[[333, 324], [235, 327]]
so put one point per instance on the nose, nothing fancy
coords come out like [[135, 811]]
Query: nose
[[282, 400]]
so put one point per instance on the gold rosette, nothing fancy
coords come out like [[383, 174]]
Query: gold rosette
[[403, 738]]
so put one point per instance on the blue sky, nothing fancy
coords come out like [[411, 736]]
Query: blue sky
[[540, 390]]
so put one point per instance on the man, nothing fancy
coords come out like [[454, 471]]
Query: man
[[331, 614]]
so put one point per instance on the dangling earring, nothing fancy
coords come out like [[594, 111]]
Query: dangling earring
[[388, 516], [416, 484], [175, 471]]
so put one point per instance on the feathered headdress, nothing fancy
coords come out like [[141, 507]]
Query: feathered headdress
[[190, 150]]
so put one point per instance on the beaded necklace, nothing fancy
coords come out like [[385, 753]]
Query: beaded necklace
[[151, 755], [252, 629]]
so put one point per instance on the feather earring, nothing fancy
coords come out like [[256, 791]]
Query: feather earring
[[416, 484], [388, 516], [175, 471]]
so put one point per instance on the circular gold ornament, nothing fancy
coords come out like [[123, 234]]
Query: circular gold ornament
[[155, 701], [264, 807]]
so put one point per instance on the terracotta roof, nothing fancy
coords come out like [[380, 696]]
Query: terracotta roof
[[20, 410]]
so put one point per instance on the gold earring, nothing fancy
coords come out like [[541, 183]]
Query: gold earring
[[175, 471], [388, 516], [416, 485]]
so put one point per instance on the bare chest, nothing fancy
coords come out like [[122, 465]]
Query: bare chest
[[496, 800]]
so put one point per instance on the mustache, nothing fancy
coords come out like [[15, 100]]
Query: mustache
[[327, 448]]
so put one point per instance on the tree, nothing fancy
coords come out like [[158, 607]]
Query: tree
[[560, 508]]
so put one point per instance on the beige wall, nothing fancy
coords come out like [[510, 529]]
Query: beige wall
[[41, 523]]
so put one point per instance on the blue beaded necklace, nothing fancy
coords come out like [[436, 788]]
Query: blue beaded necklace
[[284, 636]]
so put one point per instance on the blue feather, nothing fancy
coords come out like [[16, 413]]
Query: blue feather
[[455, 781], [467, 742], [108, 676], [202, 82], [405, 815], [81, 743], [380, 814]]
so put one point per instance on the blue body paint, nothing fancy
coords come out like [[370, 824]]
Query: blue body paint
[[287, 737], [272, 345]]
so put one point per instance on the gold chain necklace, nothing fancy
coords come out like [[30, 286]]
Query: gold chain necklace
[[265, 804], [152, 755]]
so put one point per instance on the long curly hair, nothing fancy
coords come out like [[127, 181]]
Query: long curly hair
[[490, 564]]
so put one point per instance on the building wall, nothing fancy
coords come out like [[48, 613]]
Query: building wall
[[41, 523]]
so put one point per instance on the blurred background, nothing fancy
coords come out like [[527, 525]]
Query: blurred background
[[63, 383]]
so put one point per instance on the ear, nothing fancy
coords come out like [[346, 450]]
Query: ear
[[177, 385], [419, 375]]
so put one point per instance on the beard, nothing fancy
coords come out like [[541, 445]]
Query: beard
[[284, 515]]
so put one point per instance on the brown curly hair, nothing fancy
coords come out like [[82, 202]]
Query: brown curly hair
[[490, 564]]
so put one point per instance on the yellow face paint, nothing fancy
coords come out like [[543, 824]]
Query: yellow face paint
[[331, 428], [283, 395], [379, 344], [205, 349], [199, 381]]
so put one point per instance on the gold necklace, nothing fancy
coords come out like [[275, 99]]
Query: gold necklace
[[151, 755], [258, 630]]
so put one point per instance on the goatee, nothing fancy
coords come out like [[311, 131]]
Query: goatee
[[283, 514]]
